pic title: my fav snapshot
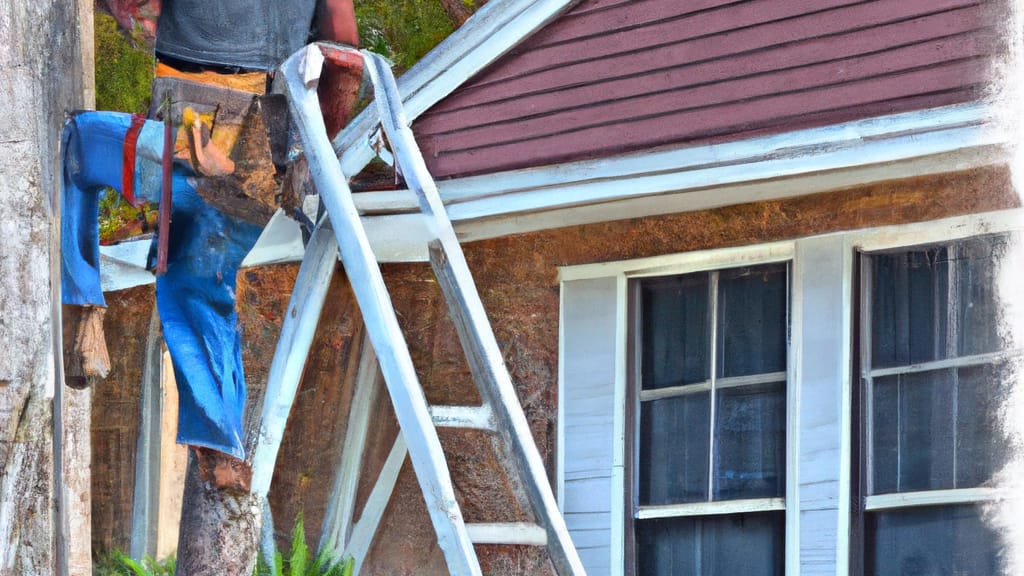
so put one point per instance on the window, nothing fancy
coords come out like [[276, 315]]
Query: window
[[710, 395], [732, 410], [932, 365]]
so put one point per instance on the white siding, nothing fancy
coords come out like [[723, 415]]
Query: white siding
[[822, 307], [588, 364]]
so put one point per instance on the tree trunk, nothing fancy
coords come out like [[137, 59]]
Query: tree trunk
[[219, 528], [40, 64]]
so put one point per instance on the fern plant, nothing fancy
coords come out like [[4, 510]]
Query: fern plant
[[120, 564], [298, 564]]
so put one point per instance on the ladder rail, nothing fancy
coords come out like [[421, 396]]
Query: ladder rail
[[470, 317], [407, 395], [293, 344]]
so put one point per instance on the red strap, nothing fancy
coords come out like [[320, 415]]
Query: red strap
[[128, 158], [164, 232]]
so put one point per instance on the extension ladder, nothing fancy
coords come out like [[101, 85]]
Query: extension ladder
[[500, 413]]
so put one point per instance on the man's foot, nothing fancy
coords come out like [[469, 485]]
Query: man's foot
[[223, 471]]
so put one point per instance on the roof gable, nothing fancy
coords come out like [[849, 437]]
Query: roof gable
[[610, 77]]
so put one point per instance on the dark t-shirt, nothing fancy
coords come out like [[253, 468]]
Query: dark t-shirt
[[251, 34]]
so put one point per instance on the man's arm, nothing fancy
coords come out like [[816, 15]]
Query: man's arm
[[339, 87], [337, 22]]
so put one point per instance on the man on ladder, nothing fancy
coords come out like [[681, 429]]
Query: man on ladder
[[230, 149]]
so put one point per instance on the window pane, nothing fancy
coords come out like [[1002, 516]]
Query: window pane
[[980, 446], [978, 312], [909, 307], [675, 334], [750, 442], [674, 449], [752, 320], [913, 416], [740, 544], [934, 540]]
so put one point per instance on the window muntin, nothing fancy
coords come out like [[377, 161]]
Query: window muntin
[[710, 443], [932, 365]]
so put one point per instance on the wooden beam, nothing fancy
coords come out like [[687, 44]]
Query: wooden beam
[[376, 504], [475, 417], [146, 495], [297, 331], [173, 465], [519, 533], [341, 506], [495, 29]]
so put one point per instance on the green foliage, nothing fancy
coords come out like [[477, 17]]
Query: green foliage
[[119, 564], [402, 30], [298, 564], [119, 220], [124, 71]]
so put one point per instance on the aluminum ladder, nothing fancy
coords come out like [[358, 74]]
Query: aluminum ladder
[[342, 230]]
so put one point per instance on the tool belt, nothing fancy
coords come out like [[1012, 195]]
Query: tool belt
[[231, 133]]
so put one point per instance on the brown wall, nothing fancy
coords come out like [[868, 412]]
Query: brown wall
[[115, 418], [616, 76], [517, 279]]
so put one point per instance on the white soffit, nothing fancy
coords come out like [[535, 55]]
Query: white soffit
[[701, 177]]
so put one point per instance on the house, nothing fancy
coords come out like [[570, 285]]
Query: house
[[742, 261]]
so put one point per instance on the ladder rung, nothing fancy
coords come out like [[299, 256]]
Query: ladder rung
[[477, 417], [521, 533]]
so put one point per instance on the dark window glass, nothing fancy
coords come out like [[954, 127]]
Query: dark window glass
[[913, 432], [980, 444], [675, 334], [938, 429], [931, 541], [978, 311], [674, 449], [750, 442], [752, 320], [910, 294], [734, 545]]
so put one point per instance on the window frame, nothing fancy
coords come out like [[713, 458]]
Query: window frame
[[637, 396], [866, 502], [806, 367]]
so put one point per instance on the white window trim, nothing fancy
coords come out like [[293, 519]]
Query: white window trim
[[624, 271], [870, 239]]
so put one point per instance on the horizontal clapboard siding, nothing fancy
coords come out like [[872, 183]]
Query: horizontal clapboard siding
[[612, 77], [588, 404]]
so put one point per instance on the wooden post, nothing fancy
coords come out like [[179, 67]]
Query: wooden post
[[41, 67], [173, 462]]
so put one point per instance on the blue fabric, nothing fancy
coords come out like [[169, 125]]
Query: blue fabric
[[195, 298]]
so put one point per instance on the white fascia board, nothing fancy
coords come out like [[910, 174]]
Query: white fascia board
[[696, 178], [807, 144], [726, 195]]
